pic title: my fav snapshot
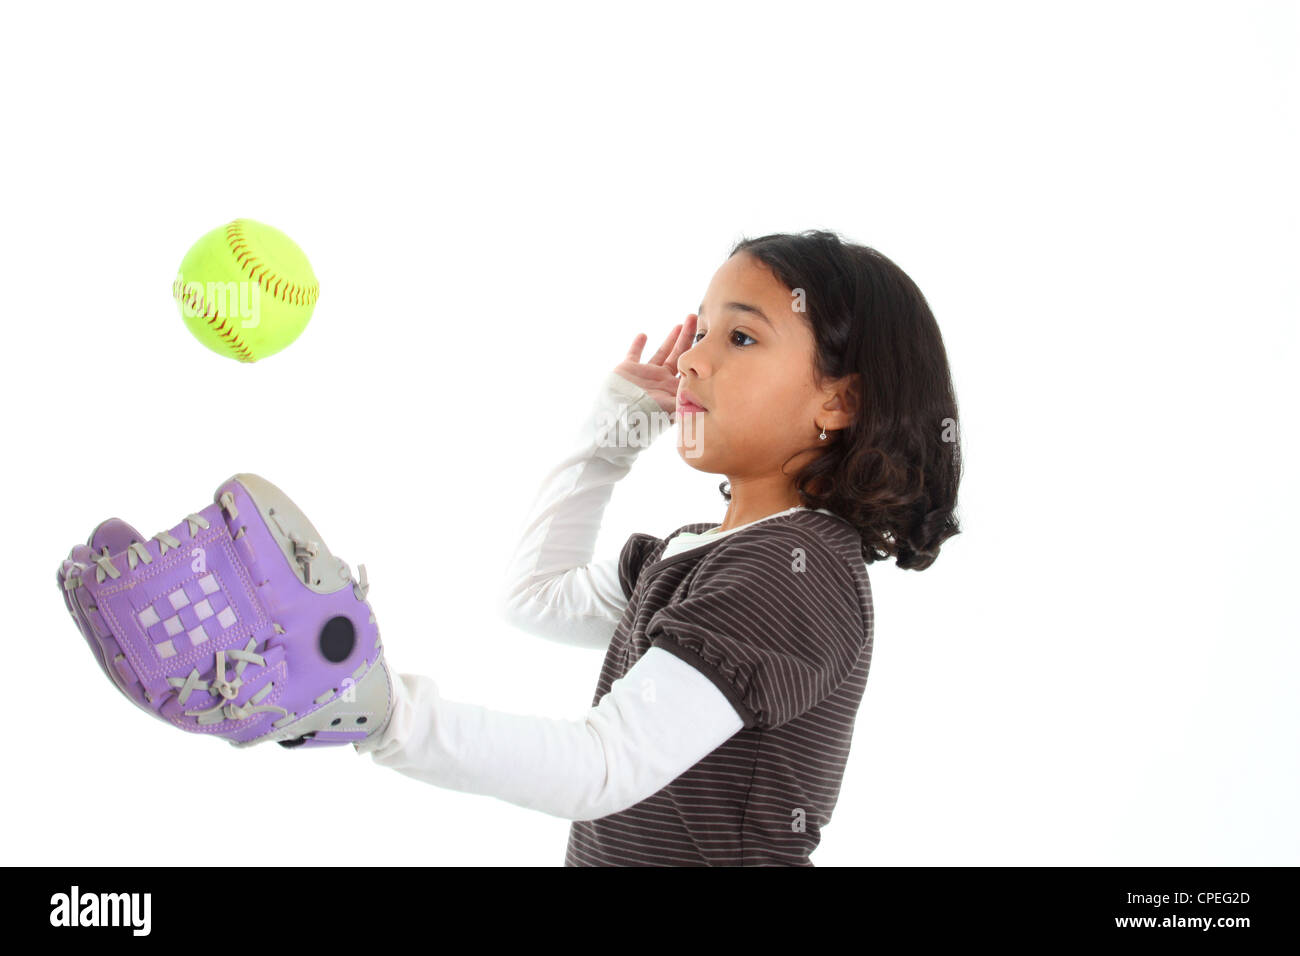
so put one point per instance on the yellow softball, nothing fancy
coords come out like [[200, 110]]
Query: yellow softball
[[245, 290]]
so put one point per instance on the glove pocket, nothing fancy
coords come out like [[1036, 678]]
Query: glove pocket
[[174, 617]]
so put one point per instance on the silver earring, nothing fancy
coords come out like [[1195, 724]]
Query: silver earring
[[823, 433]]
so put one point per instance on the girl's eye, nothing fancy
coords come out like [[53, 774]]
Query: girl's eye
[[735, 333]]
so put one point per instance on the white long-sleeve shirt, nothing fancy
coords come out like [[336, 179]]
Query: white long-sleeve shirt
[[655, 723]]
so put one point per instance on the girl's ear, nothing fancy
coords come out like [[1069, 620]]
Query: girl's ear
[[844, 396]]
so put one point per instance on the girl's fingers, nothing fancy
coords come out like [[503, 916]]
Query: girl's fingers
[[677, 342], [667, 347], [683, 341]]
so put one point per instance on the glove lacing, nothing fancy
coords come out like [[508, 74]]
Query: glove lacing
[[305, 552], [137, 552], [228, 689]]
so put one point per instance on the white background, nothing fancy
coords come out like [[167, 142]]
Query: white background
[[1098, 201]]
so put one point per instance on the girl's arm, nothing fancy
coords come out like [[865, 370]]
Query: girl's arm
[[656, 722], [552, 587]]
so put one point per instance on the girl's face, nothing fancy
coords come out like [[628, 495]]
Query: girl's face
[[751, 367]]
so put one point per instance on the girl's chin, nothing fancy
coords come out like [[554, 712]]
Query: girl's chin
[[691, 436]]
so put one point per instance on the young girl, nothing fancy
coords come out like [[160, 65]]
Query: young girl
[[815, 378]]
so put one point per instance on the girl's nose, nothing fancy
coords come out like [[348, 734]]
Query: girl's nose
[[692, 360]]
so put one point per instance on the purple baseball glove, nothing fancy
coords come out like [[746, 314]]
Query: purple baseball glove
[[238, 623]]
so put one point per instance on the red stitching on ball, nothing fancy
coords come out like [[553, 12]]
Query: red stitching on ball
[[283, 290], [218, 324]]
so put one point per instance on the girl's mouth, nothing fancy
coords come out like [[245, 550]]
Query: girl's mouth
[[686, 403]]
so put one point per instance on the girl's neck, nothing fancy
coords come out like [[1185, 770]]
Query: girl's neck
[[751, 501]]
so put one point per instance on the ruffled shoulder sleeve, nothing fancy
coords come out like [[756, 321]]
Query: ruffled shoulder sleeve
[[772, 618], [632, 559]]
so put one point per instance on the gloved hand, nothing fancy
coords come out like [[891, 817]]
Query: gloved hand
[[237, 623]]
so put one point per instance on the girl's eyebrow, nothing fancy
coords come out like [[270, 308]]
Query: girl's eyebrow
[[741, 307]]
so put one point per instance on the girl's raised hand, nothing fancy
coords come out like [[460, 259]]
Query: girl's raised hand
[[659, 375]]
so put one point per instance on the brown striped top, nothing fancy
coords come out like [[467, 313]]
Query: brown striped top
[[779, 617]]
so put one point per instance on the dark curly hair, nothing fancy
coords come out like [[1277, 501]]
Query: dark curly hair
[[893, 473]]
